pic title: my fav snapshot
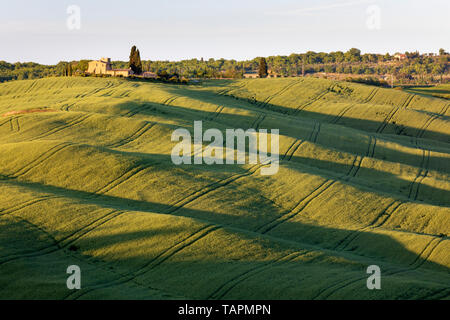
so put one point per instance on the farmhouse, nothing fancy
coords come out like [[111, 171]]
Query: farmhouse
[[400, 56], [251, 74], [149, 74], [255, 74], [103, 66], [272, 74]]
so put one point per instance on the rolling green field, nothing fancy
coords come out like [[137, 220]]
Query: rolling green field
[[363, 180], [440, 91]]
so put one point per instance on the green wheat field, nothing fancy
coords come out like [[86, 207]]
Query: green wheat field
[[364, 179]]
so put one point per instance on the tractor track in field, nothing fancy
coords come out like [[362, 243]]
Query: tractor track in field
[[13, 122], [14, 125], [417, 263], [408, 101], [5, 122], [440, 294], [67, 125], [356, 165], [371, 95], [444, 110], [65, 241], [341, 114], [261, 117], [225, 288], [33, 84], [314, 99], [40, 159], [386, 214], [292, 148], [258, 121], [426, 125], [371, 147], [393, 112], [109, 85], [225, 91], [121, 179], [175, 248], [67, 106], [421, 174], [344, 283], [125, 94], [156, 261], [169, 100], [426, 252], [139, 109], [298, 142], [267, 100], [379, 220], [303, 203], [215, 114], [133, 137], [354, 168], [297, 209], [25, 204], [359, 159], [386, 120], [337, 284], [211, 187], [315, 135]]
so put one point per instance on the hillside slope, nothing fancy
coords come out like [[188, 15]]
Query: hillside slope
[[363, 180]]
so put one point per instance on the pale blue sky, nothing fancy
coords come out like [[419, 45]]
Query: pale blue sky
[[238, 29]]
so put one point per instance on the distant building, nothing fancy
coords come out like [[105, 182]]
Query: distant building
[[251, 74], [272, 74], [103, 66], [400, 56], [148, 74]]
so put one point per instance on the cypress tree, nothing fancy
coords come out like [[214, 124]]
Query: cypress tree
[[138, 62], [262, 68], [135, 61]]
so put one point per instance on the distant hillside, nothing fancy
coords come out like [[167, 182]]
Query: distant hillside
[[414, 68]]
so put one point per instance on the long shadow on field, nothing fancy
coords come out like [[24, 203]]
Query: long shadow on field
[[356, 175], [298, 130], [360, 124], [195, 266], [260, 215], [33, 266], [434, 93], [376, 180]]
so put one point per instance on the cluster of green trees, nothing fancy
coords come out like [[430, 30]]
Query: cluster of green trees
[[31, 70], [349, 62], [421, 66]]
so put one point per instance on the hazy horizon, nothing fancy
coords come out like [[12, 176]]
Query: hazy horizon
[[240, 30]]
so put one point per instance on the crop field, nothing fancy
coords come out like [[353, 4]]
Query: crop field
[[440, 91], [86, 179]]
